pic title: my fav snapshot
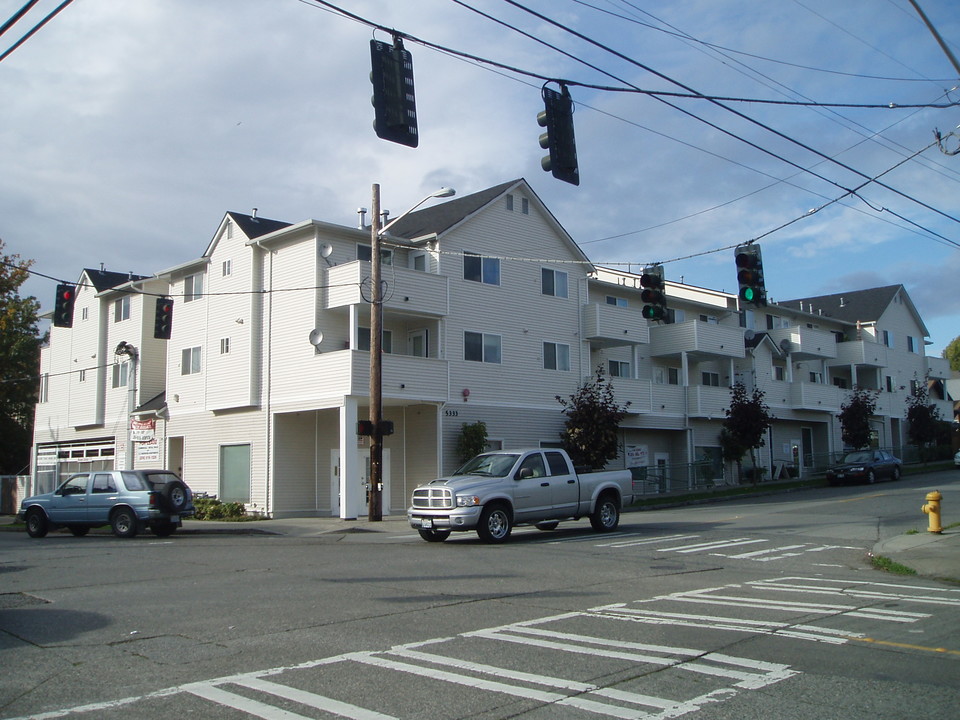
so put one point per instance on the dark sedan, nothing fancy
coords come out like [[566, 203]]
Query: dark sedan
[[865, 466]]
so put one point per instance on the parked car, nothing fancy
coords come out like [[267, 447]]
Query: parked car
[[956, 459], [127, 500], [864, 466]]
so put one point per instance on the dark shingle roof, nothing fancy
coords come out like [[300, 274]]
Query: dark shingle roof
[[254, 227], [442, 217], [104, 279], [864, 305]]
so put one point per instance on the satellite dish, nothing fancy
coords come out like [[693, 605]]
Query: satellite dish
[[316, 337], [749, 335], [325, 250], [785, 345]]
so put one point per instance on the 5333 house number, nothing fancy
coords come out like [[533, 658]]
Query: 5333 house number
[[451, 413]]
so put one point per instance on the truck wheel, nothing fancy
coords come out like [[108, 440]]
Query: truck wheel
[[495, 524], [433, 535], [123, 522], [606, 515], [37, 525]]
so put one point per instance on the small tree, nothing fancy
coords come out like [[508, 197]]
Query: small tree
[[472, 440], [951, 353], [593, 418], [923, 419], [855, 416], [748, 419]]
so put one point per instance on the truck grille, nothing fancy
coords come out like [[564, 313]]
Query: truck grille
[[433, 498]]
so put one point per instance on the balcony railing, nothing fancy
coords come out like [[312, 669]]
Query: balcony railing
[[696, 338], [708, 401], [805, 343], [860, 352], [408, 291], [639, 393], [611, 326]]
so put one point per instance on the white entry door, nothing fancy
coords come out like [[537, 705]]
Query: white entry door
[[418, 343], [361, 497]]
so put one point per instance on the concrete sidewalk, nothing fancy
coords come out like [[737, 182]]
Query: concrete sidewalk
[[930, 554]]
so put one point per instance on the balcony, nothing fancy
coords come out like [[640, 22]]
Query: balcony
[[816, 396], [862, 353], [639, 393], [406, 378], [698, 339], [708, 401], [610, 326], [937, 367], [407, 291], [805, 343]]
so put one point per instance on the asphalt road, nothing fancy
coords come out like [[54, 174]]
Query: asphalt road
[[728, 611]]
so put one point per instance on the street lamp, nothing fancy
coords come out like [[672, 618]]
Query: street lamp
[[375, 506]]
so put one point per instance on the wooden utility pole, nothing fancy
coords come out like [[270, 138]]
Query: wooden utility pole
[[375, 510]]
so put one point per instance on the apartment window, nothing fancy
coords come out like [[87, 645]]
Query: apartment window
[[618, 368], [676, 316], [229, 230], [889, 383], [779, 373], [618, 301], [509, 202], [365, 253], [121, 308], [193, 287], [190, 361], [481, 269], [120, 374], [83, 376], [553, 282], [227, 267], [44, 387], [886, 337], [524, 206], [816, 377], [556, 356], [84, 313], [667, 376], [840, 383], [710, 319], [912, 345], [481, 347], [420, 262], [775, 322], [224, 346], [748, 319], [710, 378]]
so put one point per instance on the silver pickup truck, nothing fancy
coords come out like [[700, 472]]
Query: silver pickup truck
[[497, 490]]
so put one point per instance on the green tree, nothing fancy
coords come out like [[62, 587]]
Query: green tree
[[472, 440], [19, 364], [923, 419], [855, 416], [748, 419], [951, 353], [590, 434]]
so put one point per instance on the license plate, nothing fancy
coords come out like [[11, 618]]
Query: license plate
[[426, 523]]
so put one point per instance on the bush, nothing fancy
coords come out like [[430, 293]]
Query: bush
[[209, 508]]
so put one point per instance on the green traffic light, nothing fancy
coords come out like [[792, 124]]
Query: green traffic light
[[749, 294]]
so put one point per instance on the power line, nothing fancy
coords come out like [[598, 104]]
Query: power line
[[719, 104], [50, 16]]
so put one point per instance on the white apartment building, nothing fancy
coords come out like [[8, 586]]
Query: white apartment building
[[490, 312]]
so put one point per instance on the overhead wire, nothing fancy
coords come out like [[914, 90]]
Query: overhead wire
[[718, 103], [30, 33]]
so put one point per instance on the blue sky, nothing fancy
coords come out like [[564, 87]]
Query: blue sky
[[128, 129]]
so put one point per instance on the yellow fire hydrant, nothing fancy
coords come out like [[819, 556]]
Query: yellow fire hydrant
[[932, 508]]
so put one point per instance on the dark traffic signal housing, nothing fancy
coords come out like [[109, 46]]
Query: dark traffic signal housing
[[654, 293], [750, 274], [557, 118], [63, 306], [394, 102], [163, 319]]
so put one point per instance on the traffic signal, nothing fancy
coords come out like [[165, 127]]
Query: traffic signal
[[63, 307], [163, 319], [654, 294], [557, 118], [394, 103], [750, 274]]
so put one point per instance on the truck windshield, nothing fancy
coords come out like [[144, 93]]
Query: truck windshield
[[494, 465]]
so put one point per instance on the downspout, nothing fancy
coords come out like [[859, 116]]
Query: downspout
[[268, 493]]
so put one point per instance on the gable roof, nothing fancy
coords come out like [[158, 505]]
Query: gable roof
[[854, 306], [440, 218], [253, 227], [105, 279]]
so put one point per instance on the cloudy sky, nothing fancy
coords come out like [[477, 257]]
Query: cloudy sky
[[128, 129]]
